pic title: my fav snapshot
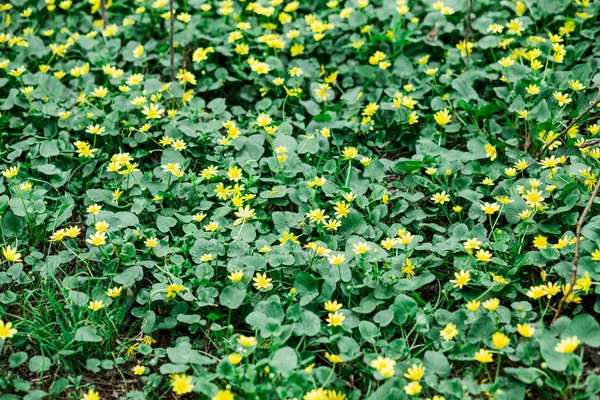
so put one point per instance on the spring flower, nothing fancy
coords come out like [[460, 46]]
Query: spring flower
[[440, 198], [334, 358], [138, 370], [261, 282], [91, 395], [563, 99], [173, 289], [490, 209], [385, 366], [335, 319], [360, 248], [413, 388], [483, 255], [461, 278], [6, 330], [94, 209], [567, 345], [151, 242], [247, 341], [11, 254], [473, 305], [415, 373], [332, 306], [500, 340], [223, 395], [96, 305], [443, 117], [182, 384], [484, 356], [11, 172], [491, 152], [525, 330], [114, 292], [97, 239], [491, 304], [153, 111], [449, 332]]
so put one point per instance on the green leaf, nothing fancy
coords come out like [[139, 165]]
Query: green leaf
[[404, 309], [232, 297], [481, 330], [49, 149], [586, 328], [284, 360], [87, 334], [438, 363], [39, 364], [131, 275], [16, 359]]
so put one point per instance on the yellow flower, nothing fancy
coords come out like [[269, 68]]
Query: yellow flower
[[443, 117], [94, 209], [449, 332], [385, 366], [247, 341], [236, 276], [335, 319], [473, 305], [575, 85], [138, 370], [484, 356], [114, 292], [483, 255], [153, 111], [540, 242], [223, 395], [334, 358], [491, 152], [490, 209], [6, 330], [525, 330], [151, 242], [462, 278], [360, 248], [563, 99], [332, 306], [440, 198], [11, 172], [506, 62], [262, 282], [413, 388], [91, 395], [173, 289], [491, 304], [567, 345], [415, 373], [182, 384], [584, 283], [97, 239], [234, 358], [11, 254], [96, 305], [500, 340]]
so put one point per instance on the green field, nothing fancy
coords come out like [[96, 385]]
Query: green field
[[299, 200]]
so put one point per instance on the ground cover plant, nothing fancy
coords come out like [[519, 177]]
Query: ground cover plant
[[316, 200]]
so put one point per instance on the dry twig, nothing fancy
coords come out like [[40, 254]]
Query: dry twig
[[468, 32], [103, 13], [585, 212], [171, 49], [563, 132]]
